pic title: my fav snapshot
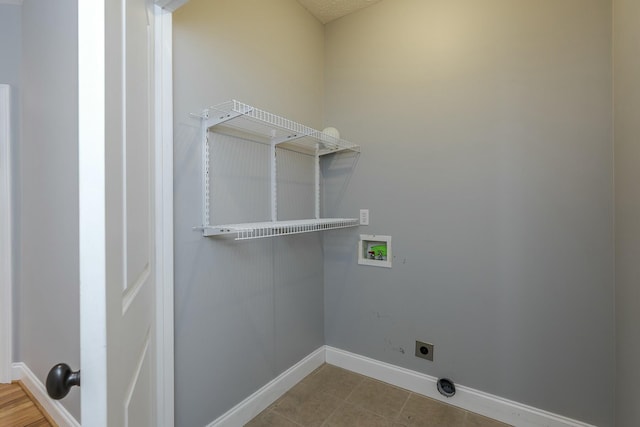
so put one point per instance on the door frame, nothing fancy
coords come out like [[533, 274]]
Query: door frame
[[164, 208], [164, 221], [6, 259]]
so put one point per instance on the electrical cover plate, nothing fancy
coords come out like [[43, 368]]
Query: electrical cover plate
[[424, 350]]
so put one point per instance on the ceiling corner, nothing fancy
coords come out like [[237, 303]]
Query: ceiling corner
[[328, 10]]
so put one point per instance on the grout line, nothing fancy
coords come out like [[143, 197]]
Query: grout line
[[324, 423], [403, 406], [362, 380], [344, 401], [373, 380], [286, 418]]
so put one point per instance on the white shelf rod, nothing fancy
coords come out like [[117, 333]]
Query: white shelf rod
[[206, 196], [274, 185], [317, 183]]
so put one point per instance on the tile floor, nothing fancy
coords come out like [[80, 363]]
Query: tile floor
[[334, 397]]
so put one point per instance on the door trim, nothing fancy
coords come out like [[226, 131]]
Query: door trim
[[91, 191], [6, 259], [164, 216]]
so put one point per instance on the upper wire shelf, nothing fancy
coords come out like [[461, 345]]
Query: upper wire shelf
[[259, 230], [271, 128]]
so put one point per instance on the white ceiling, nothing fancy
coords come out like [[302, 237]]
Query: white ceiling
[[328, 10]]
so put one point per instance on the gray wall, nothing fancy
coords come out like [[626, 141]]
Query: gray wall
[[10, 16], [627, 166], [487, 155], [11, 54], [244, 311], [49, 311]]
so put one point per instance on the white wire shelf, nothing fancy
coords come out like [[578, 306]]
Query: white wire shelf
[[271, 128], [260, 230], [235, 118]]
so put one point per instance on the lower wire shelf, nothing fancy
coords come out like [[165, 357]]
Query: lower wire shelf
[[258, 230]]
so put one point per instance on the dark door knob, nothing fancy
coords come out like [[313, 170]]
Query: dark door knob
[[60, 380]]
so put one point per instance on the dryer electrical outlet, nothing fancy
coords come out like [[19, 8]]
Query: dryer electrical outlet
[[424, 350]]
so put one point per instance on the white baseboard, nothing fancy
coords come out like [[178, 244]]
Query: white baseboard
[[53, 407], [467, 398], [243, 412]]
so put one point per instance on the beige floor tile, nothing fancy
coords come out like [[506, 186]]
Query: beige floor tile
[[349, 415], [270, 419], [334, 381], [421, 411], [475, 420], [305, 405], [380, 398], [334, 397]]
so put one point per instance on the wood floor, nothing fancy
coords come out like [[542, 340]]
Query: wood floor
[[18, 410]]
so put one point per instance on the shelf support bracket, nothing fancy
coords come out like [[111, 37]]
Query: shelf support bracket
[[274, 187], [317, 181], [206, 196], [288, 138], [208, 121]]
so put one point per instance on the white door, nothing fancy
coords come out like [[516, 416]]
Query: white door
[[117, 247]]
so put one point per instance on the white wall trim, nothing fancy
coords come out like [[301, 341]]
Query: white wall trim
[[467, 398], [53, 407], [242, 413], [92, 210], [164, 220], [6, 273]]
